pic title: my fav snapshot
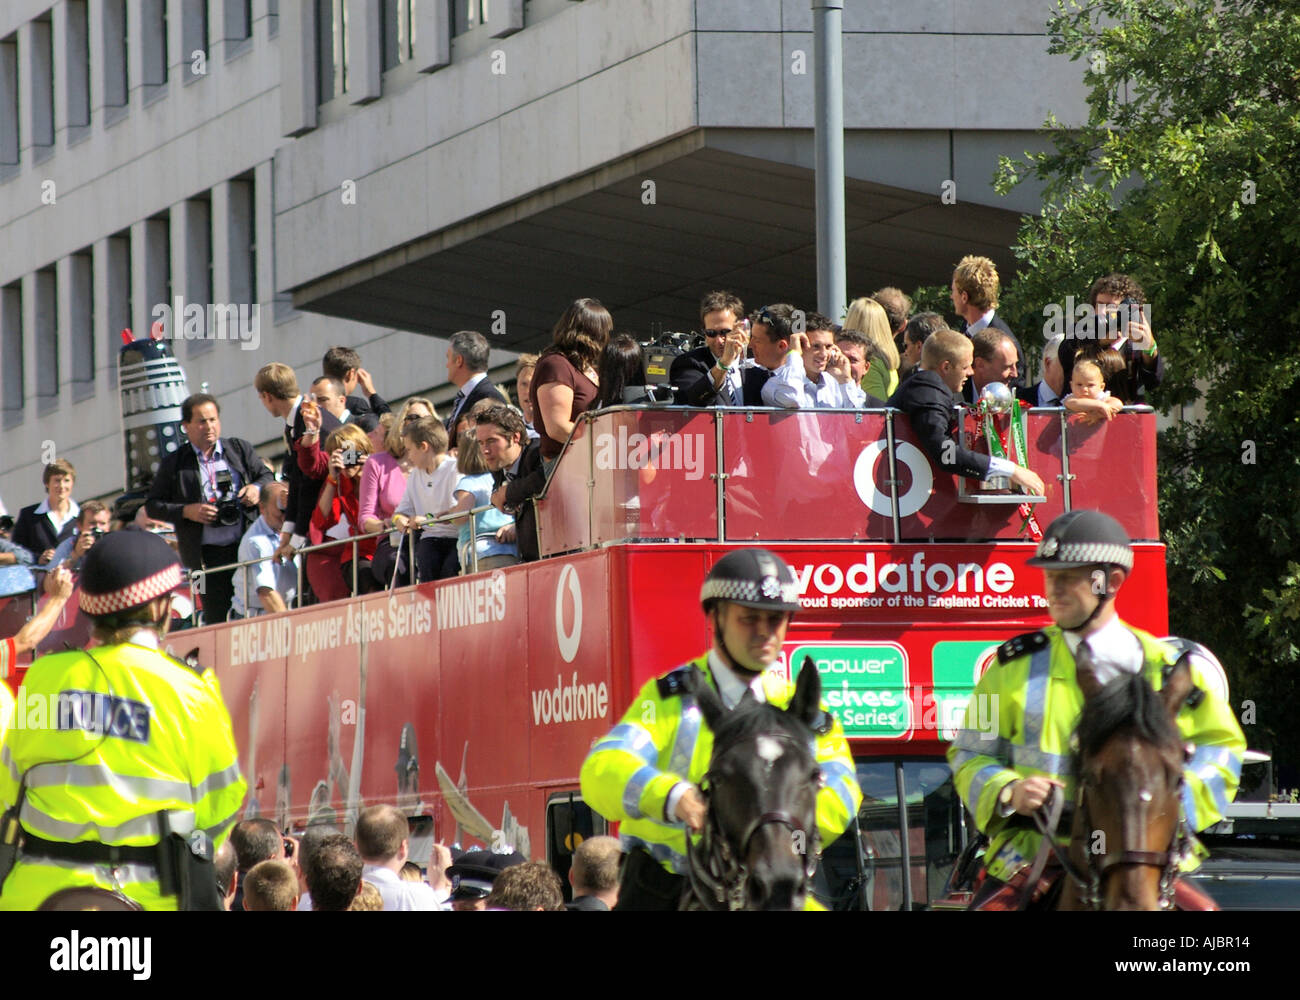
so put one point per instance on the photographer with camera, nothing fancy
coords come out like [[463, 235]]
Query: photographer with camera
[[1120, 320], [210, 491], [92, 524]]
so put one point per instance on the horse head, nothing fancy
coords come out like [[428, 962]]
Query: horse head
[[760, 842], [1129, 769]]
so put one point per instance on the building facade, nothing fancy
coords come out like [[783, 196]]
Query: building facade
[[381, 173]]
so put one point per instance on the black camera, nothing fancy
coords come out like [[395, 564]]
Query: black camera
[[227, 504]]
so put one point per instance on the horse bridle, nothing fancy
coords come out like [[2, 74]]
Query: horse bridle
[[718, 873], [1089, 882]]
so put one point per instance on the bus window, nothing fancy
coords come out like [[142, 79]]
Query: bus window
[[892, 869], [569, 821]]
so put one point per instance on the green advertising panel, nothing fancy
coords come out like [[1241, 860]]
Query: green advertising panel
[[955, 669], [864, 685]]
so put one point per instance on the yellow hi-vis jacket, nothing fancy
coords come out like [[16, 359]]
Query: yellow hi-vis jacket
[[663, 740], [1032, 696], [106, 747]]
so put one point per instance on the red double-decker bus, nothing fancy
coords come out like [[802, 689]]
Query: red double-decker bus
[[471, 703]]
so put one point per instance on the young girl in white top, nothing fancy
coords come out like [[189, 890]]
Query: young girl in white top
[[429, 490]]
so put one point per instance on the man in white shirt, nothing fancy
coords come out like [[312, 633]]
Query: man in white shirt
[[815, 374], [383, 843], [270, 586]]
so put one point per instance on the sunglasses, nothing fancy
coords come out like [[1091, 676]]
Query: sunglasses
[[716, 333]]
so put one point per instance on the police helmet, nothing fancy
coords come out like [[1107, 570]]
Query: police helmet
[[125, 570], [1083, 538], [754, 578]]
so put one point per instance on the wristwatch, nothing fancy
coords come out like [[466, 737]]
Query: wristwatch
[[1004, 798]]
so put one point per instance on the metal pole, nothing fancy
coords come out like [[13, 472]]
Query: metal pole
[[828, 137]]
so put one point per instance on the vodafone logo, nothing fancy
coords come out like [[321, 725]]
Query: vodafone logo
[[568, 638], [864, 478]]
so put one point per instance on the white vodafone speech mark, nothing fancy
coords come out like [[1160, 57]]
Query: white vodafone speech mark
[[568, 641], [864, 480]]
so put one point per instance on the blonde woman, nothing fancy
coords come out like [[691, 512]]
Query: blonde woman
[[868, 318], [384, 481]]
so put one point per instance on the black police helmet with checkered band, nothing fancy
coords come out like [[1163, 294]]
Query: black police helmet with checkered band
[[1083, 538], [755, 578], [126, 569]]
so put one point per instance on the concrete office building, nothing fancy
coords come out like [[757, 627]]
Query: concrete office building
[[363, 167]]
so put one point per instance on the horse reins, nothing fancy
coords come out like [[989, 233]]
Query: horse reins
[[1089, 882], [720, 876]]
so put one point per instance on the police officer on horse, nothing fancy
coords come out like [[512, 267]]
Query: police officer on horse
[[646, 772], [1033, 692]]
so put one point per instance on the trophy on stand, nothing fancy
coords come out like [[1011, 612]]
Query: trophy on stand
[[994, 408]]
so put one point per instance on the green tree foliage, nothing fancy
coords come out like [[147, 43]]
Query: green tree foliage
[[1186, 175]]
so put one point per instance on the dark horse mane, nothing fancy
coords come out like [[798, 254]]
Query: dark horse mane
[[1126, 703]]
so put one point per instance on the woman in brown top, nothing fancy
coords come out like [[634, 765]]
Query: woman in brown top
[[565, 382]]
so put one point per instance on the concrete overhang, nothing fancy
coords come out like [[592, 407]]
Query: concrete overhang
[[649, 234]]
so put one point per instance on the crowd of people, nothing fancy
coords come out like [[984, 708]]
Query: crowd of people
[[259, 868], [402, 496]]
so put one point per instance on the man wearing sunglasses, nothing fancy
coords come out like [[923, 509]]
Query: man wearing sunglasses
[[711, 375]]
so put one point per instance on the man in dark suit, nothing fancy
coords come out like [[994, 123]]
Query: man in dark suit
[[1127, 331], [467, 365], [994, 361], [277, 388], [928, 398], [516, 464], [1049, 389], [712, 375], [344, 364], [975, 298], [209, 490]]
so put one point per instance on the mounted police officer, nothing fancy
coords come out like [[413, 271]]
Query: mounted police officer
[[1033, 692], [119, 770], [645, 773]]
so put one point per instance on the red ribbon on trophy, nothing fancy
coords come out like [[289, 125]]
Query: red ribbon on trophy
[[1001, 413]]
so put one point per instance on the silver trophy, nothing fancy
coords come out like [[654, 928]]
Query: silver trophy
[[996, 398]]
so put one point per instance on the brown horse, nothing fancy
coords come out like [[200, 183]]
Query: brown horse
[[1128, 833]]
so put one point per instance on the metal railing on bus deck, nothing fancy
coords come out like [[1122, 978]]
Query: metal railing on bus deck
[[749, 466], [409, 532]]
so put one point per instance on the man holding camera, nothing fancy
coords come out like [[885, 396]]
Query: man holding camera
[[92, 523], [1120, 320], [210, 491]]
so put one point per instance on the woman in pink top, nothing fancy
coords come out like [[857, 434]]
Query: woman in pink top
[[383, 481]]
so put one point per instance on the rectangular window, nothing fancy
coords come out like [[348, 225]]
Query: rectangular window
[[81, 299], [194, 38], [237, 17], [242, 241], [331, 49], [398, 30], [153, 30], [76, 63], [47, 332], [116, 92], [9, 134], [470, 14], [42, 81], [117, 285], [11, 336]]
